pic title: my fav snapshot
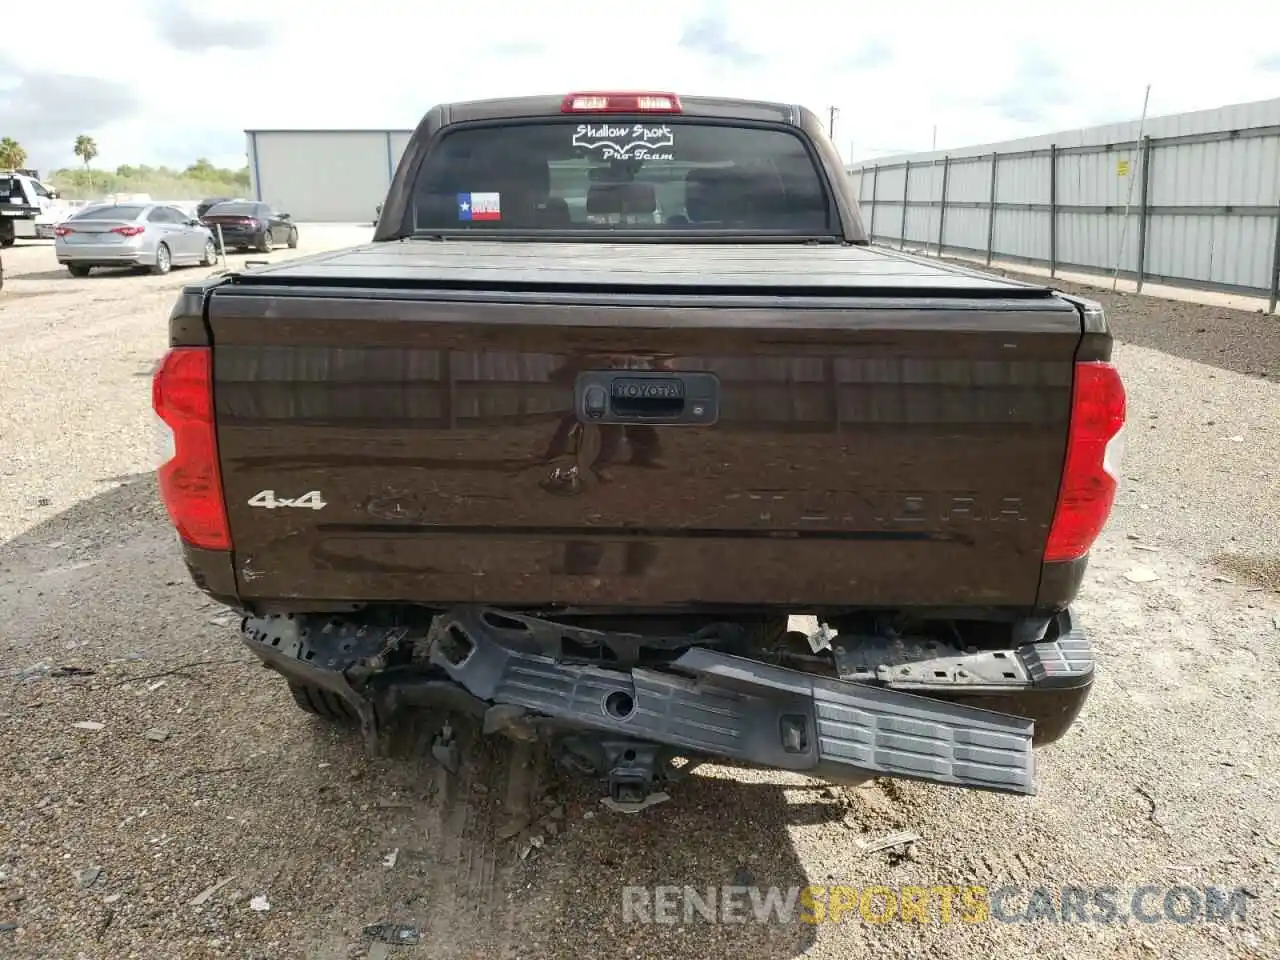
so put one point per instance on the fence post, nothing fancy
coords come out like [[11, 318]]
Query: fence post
[[1053, 210], [1145, 191], [906, 190], [1275, 270], [991, 216], [942, 209], [875, 185]]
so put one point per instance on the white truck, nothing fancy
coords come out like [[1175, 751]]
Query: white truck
[[28, 208]]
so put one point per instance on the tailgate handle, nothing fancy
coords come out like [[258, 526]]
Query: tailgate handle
[[648, 399], [606, 396]]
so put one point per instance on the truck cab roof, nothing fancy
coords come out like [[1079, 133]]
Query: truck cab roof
[[789, 159], [546, 105]]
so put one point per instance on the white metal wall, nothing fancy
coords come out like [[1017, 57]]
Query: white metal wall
[[1203, 191], [334, 176]]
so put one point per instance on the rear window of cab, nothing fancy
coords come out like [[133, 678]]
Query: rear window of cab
[[603, 173]]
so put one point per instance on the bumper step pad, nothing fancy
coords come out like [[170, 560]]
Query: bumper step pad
[[725, 706]]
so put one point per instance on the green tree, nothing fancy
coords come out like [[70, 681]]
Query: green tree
[[12, 156], [200, 179], [86, 148], [203, 169]]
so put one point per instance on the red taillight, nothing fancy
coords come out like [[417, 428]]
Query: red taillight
[[129, 231], [1089, 477], [621, 103], [62, 231], [190, 482]]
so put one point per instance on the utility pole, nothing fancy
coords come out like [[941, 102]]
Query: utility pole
[[832, 113], [1124, 224]]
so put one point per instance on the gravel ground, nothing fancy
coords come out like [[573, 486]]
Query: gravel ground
[[203, 774]]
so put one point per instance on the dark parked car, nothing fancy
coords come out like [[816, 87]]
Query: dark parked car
[[621, 385], [203, 206], [251, 224]]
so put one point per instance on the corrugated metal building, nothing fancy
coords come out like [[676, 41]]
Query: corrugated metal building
[[1202, 190], [333, 176]]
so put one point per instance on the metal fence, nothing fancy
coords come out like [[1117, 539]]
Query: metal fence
[[1203, 209]]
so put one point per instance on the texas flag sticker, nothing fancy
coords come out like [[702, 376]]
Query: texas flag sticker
[[479, 206]]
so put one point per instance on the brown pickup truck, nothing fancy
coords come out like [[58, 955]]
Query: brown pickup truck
[[621, 439]]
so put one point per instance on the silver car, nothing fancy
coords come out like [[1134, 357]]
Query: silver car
[[155, 236]]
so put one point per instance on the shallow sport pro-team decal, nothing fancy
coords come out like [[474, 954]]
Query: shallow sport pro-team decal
[[632, 141], [479, 206]]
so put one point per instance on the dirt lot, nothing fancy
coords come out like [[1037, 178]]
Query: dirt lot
[[203, 774]]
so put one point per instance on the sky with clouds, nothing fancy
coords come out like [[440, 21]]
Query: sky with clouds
[[166, 81]]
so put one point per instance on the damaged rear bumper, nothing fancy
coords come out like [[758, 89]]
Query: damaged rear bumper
[[909, 722]]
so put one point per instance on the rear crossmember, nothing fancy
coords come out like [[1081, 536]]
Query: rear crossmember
[[629, 725]]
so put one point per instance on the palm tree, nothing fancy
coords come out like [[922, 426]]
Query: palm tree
[[12, 156], [86, 149]]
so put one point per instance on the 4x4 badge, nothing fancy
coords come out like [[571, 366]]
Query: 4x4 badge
[[311, 500]]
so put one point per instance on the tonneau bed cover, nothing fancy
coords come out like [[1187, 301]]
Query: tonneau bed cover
[[827, 269]]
